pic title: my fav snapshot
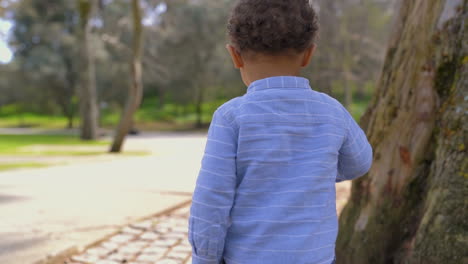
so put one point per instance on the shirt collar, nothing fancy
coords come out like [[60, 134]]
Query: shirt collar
[[278, 82]]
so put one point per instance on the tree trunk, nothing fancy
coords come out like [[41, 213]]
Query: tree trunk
[[347, 64], [70, 83], [412, 206], [161, 98], [198, 107], [88, 96], [136, 88], [70, 122], [67, 110], [348, 100]]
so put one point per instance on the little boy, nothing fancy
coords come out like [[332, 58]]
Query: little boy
[[266, 189]]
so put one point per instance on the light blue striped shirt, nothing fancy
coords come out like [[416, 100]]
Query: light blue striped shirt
[[266, 189]]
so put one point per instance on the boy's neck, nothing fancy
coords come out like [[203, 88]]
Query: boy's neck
[[262, 75], [258, 70], [262, 72]]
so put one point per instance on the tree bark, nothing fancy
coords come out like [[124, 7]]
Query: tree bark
[[89, 110], [161, 98], [199, 106], [412, 206], [348, 93], [347, 64], [136, 88], [70, 76], [67, 110]]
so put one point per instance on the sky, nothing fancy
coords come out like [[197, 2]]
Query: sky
[[5, 53]]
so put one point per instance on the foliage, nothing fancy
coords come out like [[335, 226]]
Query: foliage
[[195, 32], [186, 71], [135, 89], [44, 41], [351, 48]]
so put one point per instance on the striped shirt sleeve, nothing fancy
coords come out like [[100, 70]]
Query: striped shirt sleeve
[[355, 155], [214, 193]]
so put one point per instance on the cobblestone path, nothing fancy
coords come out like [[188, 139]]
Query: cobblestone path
[[159, 240]]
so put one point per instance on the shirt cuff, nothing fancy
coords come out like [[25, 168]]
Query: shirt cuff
[[202, 260]]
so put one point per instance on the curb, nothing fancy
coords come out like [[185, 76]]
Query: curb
[[62, 256]]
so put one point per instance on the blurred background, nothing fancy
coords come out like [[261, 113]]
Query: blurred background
[[186, 71]]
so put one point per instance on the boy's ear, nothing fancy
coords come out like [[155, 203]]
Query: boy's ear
[[308, 54], [235, 56]]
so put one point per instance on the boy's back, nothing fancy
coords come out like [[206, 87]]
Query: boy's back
[[288, 140], [266, 189]]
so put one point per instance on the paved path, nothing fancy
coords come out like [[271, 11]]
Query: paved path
[[161, 239], [45, 211], [48, 210]]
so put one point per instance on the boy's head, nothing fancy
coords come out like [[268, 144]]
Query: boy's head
[[272, 37]]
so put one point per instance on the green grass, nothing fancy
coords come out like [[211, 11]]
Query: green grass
[[59, 153], [147, 113], [16, 146], [168, 117], [181, 114], [82, 153], [135, 153], [33, 120], [11, 144], [13, 166], [358, 109]]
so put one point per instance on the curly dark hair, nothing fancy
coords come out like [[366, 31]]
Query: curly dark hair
[[273, 27]]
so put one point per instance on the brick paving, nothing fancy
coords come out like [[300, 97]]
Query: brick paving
[[158, 240]]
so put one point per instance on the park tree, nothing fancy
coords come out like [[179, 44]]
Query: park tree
[[89, 111], [135, 92], [186, 70], [351, 46], [44, 42], [112, 71], [411, 207], [194, 30]]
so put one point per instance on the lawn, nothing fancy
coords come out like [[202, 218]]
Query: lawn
[[13, 144], [33, 120], [13, 166], [37, 151], [170, 117]]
